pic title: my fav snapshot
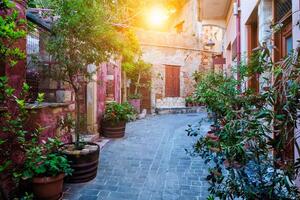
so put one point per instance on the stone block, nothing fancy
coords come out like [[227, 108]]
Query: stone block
[[63, 96], [57, 111], [53, 84]]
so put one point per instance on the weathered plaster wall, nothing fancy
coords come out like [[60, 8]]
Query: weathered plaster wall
[[48, 117], [159, 57], [161, 49], [188, 14]]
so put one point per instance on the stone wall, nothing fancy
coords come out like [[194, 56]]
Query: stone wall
[[161, 49], [189, 16], [47, 116]]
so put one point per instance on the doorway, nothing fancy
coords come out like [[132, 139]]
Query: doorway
[[172, 85]]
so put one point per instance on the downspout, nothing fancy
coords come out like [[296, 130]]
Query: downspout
[[237, 13]]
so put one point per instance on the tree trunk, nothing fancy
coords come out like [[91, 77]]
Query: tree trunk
[[124, 86], [77, 123], [137, 85]]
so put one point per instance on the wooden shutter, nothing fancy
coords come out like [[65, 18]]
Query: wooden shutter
[[172, 88]]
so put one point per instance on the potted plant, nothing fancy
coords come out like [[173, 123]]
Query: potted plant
[[139, 74], [78, 53], [189, 101], [46, 168], [115, 117], [135, 101]]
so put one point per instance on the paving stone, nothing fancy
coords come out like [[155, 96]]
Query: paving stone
[[88, 197], [121, 195], [149, 163]]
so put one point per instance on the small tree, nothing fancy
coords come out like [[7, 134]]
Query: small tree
[[82, 35], [138, 71]]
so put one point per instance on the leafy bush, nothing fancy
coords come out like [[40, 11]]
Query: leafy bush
[[217, 92], [116, 112], [249, 127], [135, 96], [45, 160], [189, 99], [10, 33]]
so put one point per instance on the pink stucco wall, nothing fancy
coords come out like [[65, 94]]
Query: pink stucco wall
[[117, 75], [247, 7], [101, 90], [230, 36], [102, 85]]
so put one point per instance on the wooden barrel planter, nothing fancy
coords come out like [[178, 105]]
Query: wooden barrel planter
[[84, 162], [113, 130]]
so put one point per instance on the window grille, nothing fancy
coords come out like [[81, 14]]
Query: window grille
[[282, 8]]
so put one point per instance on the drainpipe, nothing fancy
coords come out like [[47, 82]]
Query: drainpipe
[[237, 13]]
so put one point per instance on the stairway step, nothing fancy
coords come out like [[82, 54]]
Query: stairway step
[[183, 110]]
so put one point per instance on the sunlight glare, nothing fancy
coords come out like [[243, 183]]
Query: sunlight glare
[[158, 15]]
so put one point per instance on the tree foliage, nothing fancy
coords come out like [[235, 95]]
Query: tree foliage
[[10, 33]]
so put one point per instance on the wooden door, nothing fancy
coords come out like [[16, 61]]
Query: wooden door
[[172, 88]]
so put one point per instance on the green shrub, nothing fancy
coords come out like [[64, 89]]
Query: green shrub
[[45, 160], [248, 154], [116, 112]]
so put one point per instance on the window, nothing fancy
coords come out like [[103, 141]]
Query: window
[[284, 38], [282, 8], [289, 44]]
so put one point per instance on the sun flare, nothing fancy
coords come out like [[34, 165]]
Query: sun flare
[[157, 16]]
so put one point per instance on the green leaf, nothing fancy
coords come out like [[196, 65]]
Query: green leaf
[[21, 103], [9, 91], [5, 165], [26, 87], [41, 97]]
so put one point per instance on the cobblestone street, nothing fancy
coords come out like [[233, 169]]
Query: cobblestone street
[[150, 163]]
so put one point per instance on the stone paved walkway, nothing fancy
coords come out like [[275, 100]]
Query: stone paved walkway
[[150, 163]]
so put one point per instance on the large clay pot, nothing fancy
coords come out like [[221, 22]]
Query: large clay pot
[[113, 130], [48, 188], [84, 162], [136, 103]]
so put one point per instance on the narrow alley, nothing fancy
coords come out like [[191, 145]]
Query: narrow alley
[[149, 163]]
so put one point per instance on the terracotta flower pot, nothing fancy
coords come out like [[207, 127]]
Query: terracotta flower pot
[[233, 164], [212, 136], [48, 188], [215, 149], [189, 104], [136, 103], [214, 128]]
